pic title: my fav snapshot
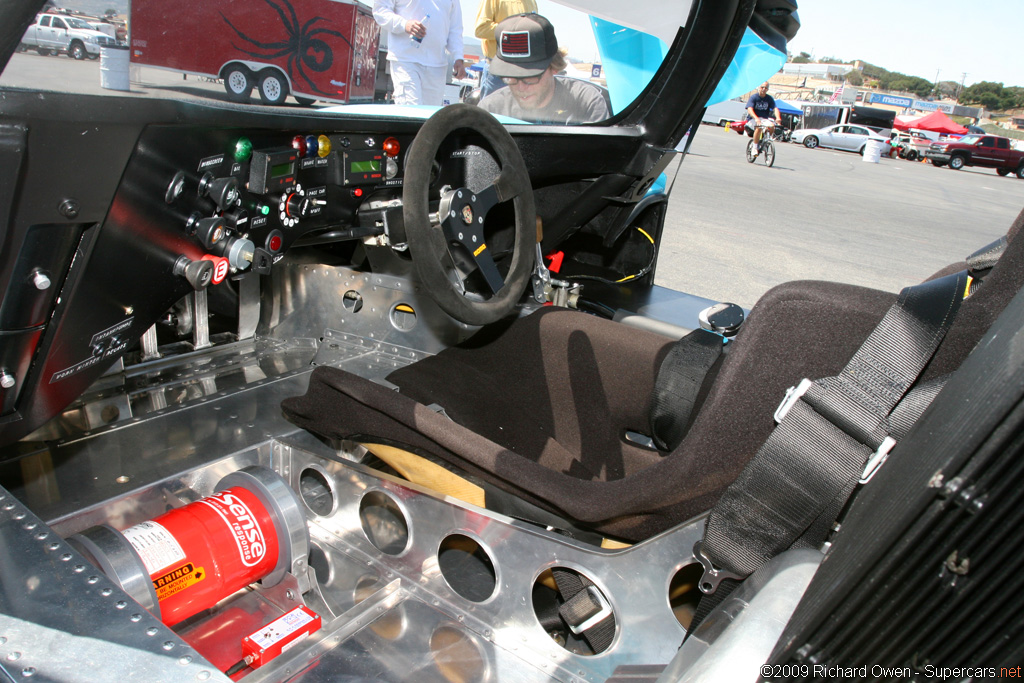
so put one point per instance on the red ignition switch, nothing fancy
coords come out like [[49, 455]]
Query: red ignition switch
[[192, 557]]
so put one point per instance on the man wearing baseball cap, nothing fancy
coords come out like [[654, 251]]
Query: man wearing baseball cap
[[528, 60]]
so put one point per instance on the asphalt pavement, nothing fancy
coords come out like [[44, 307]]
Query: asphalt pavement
[[735, 229]]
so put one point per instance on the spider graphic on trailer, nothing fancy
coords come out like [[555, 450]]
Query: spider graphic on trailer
[[302, 46]]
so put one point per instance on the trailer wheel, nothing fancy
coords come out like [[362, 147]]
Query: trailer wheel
[[238, 82], [273, 87]]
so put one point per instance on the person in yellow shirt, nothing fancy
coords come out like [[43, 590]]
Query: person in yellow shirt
[[489, 14]]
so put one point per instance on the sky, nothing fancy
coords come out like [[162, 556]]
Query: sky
[[919, 38], [910, 36]]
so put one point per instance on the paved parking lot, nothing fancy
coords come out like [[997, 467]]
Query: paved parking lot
[[736, 229]]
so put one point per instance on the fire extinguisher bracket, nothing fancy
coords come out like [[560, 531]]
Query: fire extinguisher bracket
[[111, 552], [289, 520]]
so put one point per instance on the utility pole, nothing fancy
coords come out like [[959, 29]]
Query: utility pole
[[935, 90], [961, 89]]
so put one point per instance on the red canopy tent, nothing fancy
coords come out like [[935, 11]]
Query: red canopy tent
[[936, 122]]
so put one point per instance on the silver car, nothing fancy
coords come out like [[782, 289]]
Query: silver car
[[843, 136]]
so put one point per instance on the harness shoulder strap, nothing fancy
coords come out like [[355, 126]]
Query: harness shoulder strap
[[678, 384], [831, 434]]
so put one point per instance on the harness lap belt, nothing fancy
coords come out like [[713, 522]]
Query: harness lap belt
[[831, 434]]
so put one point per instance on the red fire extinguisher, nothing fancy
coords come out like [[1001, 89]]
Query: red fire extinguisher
[[190, 558]]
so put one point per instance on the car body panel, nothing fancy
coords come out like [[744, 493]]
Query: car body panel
[[843, 136]]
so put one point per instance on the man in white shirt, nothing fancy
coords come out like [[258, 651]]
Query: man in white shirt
[[419, 34]]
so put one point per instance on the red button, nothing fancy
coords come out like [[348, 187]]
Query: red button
[[220, 268], [275, 243]]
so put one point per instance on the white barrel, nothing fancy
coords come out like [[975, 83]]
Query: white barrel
[[873, 151], [114, 67]]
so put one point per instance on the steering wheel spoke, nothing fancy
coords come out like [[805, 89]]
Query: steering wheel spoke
[[446, 258]]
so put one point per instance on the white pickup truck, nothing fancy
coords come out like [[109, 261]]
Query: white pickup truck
[[53, 33]]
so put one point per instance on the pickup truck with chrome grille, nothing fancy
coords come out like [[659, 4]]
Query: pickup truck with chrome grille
[[990, 151], [52, 33]]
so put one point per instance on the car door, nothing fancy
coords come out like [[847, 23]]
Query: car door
[[1002, 152], [58, 34], [42, 30], [833, 136], [856, 138], [985, 152]]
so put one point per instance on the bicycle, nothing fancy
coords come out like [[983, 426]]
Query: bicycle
[[767, 144]]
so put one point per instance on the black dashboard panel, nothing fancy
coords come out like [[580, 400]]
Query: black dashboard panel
[[124, 208]]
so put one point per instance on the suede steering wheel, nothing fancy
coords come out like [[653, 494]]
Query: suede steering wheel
[[458, 225]]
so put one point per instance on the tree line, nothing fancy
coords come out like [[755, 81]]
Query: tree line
[[990, 95]]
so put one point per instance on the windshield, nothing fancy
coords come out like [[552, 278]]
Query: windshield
[[970, 139], [562, 67]]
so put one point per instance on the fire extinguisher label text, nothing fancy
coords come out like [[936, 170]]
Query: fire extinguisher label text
[[178, 580], [252, 546], [155, 545]]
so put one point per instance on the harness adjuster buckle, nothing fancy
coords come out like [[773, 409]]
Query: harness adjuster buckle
[[712, 577], [877, 459], [604, 611], [793, 394]]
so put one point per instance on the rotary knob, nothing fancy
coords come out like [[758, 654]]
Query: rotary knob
[[296, 205]]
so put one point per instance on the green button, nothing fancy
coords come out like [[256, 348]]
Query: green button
[[243, 149]]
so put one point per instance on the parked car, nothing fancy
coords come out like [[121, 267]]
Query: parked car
[[844, 136], [60, 33], [911, 145], [988, 151]]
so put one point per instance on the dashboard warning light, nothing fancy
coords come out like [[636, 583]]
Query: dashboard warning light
[[392, 147], [243, 149], [299, 145], [324, 143], [311, 145]]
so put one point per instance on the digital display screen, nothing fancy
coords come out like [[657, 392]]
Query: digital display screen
[[369, 166], [280, 170]]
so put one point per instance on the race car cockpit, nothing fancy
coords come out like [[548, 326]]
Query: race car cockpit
[[366, 392]]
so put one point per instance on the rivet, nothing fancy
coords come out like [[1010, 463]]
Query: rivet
[[152, 631], [168, 645], [185, 660]]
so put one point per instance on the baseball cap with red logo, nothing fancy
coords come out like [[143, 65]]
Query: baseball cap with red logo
[[526, 46]]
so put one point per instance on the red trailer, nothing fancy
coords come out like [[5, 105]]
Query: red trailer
[[310, 49]]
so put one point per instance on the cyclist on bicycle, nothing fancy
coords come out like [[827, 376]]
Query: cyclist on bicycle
[[759, 108]]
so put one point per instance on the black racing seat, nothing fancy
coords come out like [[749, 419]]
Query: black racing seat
[[539, 407]]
